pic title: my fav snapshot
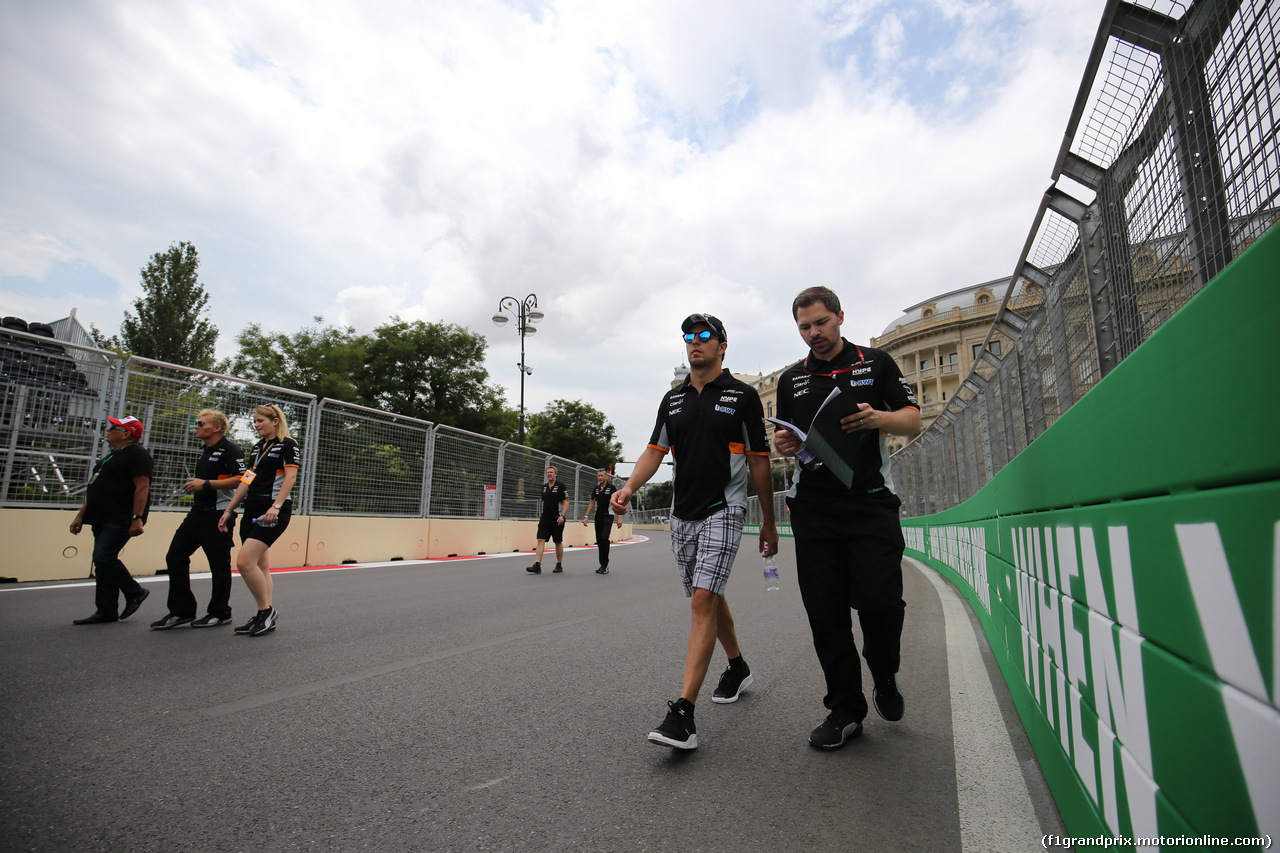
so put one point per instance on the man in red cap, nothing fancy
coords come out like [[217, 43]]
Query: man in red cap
[[115, 508]]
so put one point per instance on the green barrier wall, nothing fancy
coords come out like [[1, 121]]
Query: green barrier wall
[[1124, 567]]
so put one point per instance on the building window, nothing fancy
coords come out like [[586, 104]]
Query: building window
[[770, 410], [995, 349], [926, 363]]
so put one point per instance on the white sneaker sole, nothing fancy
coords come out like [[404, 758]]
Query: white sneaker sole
[[662, 740], [725, 700]]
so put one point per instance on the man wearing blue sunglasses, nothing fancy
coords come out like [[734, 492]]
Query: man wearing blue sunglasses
[[714, 426]]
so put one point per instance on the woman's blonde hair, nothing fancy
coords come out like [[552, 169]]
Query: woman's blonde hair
[[219, 420], [270, 410]]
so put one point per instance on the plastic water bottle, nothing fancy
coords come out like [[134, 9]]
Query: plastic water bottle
[[771, 574], [807, 459], [261, 521]]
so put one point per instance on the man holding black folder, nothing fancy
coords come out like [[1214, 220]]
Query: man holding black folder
[[848, 537]]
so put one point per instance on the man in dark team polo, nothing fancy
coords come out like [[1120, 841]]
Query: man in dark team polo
[[714, 426], [555, 501], [849, 540], [217, 473], [605, 517], [116, 506]]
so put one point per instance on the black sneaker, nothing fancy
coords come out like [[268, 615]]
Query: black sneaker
[[266, 624], [887, 699], [834, 731], [535, 569], [211, 621], [558, 569], [131, 605], [170, 621], [603, 570], [732, 683], [248, 626], [93, 619], [677, 729]]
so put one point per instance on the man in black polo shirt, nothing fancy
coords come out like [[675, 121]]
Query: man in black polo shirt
[[116, 506], [604, 517], [848, 539], [714, 425], [555, 500], [217, 473]]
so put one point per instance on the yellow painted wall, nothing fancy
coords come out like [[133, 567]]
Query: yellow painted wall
[[38, 545]]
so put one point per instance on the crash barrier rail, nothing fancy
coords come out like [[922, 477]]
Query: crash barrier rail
[[55, 397], [1115, 535], [1125, 569], [1169, 168]]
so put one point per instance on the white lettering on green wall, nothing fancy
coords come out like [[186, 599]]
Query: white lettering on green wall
[[1077, 658]]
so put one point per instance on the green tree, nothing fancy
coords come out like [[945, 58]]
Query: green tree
[[657, 496], [319, 359], [432, 371], [575, 430], [166, 323]]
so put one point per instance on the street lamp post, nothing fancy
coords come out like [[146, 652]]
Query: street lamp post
[[526, 314]]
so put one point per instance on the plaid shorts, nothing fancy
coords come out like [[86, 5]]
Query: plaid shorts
[[705, 549]]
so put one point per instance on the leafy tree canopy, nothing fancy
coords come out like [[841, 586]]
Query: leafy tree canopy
[[575, 430], [319, 359], [431, 371], [166, 322]]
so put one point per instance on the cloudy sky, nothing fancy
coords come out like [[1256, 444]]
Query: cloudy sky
[[627, 162]]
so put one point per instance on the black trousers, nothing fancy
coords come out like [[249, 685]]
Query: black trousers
[[603, 527], [845, 561], [199, 530]]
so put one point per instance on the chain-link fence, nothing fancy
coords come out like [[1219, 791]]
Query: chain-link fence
[[55, 398], [1169, 170]]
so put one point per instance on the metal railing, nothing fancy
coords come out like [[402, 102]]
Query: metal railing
[[1169, 169], [55, 398]]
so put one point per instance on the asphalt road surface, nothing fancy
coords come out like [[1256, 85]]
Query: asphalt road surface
[[465, 705]]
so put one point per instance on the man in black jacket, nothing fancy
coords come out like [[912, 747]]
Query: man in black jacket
[[217, 473], [115, 508], [848, 538]]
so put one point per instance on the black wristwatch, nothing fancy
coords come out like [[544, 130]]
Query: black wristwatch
[[137, 518]]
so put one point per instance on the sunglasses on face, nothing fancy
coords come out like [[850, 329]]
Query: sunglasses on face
[[703, 336], [199, 423], [115, 427]]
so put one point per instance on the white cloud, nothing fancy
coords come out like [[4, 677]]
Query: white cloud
[[629, 163]]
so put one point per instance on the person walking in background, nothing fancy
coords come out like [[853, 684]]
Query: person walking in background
[[605, 517], [849, 540], [555, 501], [116, 505], [714, 426], [217, 474], [264, 490]]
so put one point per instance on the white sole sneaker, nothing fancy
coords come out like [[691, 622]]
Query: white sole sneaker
[[725, 700], [662, 740]]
